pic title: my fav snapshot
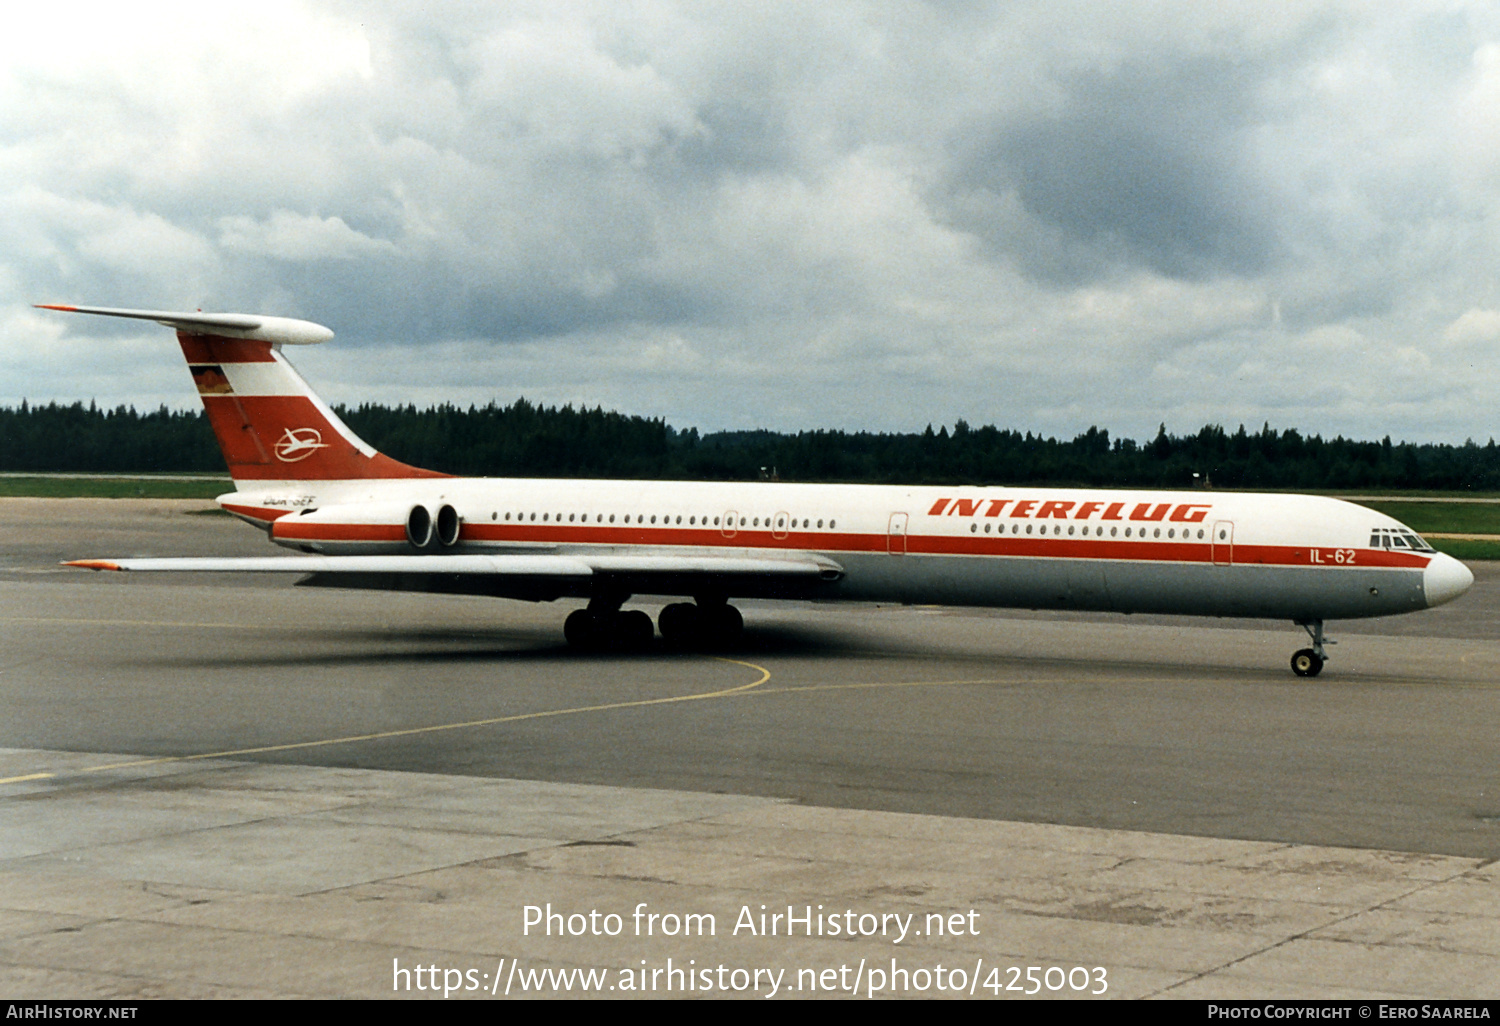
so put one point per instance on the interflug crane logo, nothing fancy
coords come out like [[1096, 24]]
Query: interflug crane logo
[[298, 444]]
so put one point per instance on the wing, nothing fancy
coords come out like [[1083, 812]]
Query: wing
[[536, 577]]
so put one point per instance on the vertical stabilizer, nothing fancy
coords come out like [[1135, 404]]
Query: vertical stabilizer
[[270, 424]]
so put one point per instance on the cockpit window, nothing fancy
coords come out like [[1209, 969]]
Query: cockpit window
[[1397, 538]]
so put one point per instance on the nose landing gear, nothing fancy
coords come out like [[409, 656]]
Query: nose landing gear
[[1308, 662]]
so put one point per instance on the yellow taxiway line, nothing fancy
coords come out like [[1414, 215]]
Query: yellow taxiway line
[[765, 675]]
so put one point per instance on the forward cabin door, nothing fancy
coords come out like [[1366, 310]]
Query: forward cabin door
[[1223, 542], [895, 537]]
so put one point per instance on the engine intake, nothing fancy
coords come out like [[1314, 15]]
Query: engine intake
[[419, 528], [448, 526]]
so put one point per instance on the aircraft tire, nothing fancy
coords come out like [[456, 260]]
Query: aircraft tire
[[722, 627], [581, 628], [1306, 663], [634, 630], [679, 623]]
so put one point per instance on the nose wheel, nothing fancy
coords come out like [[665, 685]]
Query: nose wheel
[[1308, 662]]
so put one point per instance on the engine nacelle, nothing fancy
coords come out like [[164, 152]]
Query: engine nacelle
[[369, 528]]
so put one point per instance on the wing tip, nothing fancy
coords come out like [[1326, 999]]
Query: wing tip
[[55, 306], [93, 564]]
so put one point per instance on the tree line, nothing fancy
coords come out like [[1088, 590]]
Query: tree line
[[527, 440]]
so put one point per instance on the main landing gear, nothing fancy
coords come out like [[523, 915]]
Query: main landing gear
[[603, 626], [598, 631], [701, 625], [1308, 662]]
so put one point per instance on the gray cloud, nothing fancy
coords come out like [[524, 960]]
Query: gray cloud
[[1046, 215]]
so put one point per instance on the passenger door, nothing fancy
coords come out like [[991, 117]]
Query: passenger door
[[895, 538], [1222, 542]]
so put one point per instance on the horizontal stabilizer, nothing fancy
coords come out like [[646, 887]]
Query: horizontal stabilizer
[[279, 330]]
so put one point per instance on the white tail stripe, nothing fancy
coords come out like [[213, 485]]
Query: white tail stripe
[[250, 379]]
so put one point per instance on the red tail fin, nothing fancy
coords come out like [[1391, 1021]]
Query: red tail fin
[[270, 424]]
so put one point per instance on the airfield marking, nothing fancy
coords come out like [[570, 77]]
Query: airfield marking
[[765, 675]]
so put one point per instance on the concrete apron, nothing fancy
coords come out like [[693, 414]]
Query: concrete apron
[[208, 879]]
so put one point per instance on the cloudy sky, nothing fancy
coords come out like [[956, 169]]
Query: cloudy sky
[[1044, 215]]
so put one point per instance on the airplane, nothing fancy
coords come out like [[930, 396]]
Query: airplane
[[360, 519]]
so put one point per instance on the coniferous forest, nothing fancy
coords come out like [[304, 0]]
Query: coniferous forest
[[526, 440]]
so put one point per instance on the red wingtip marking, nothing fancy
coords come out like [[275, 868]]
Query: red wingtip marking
[[55, 306], [93, 564]]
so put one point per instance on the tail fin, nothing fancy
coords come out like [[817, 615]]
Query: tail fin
[[269, 423]]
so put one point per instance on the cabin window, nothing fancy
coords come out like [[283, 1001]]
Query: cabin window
[[653, 518], [1171, 532], [1156, 533], [1028, 528], [987, 528], [1127, 532], [973, 528], [832, 524], [1070, 529]]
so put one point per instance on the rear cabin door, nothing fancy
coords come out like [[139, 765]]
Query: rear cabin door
[[895, 538], [1223, 542]]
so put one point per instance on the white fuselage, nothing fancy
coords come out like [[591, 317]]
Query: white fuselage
[[1199, 552]]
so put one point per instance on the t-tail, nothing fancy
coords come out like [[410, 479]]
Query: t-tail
[[270, 425]]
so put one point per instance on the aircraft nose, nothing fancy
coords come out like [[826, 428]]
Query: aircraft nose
[[1445, 579]]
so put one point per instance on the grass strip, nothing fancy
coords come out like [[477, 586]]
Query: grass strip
[[111, 488]]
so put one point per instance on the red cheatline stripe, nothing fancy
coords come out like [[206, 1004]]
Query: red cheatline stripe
[[836, 542], [256, 512], [301, 530]]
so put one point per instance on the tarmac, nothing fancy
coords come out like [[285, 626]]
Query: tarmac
[[221, 838], [225, 879]]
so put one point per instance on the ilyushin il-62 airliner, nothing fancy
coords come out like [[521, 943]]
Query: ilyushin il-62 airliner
[[359, 519]]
